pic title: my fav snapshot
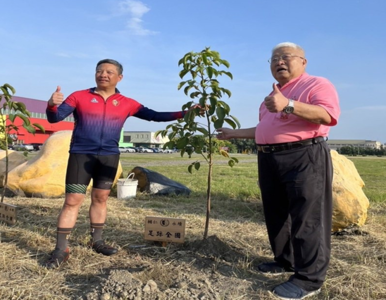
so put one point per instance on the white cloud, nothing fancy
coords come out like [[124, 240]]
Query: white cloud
[[62, 54], [135, 10], [135, 27], [374, 108], [71, 55]]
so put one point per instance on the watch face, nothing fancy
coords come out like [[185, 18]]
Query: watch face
[[289, 109]]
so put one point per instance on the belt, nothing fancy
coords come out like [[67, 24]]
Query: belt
[[287, 146]]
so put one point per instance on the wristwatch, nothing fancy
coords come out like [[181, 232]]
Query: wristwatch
[[289, 109]]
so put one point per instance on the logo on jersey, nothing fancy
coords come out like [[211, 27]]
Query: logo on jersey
[[115, 102], [283, 116], [94, 100]]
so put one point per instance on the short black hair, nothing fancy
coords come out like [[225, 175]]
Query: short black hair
[[113, 62]]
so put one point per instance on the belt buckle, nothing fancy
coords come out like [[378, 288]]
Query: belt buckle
[[318, 139], [267, 149]]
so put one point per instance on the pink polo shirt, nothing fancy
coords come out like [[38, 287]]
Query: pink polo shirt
[[274, 128]]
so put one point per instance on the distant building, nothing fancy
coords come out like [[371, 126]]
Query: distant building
[[37, 108], [144, 139], [335, 144]]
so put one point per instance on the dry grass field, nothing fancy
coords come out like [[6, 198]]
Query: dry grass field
[[221, 267]]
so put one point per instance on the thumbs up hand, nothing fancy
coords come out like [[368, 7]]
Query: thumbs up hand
[[275, 102], [56, 98]]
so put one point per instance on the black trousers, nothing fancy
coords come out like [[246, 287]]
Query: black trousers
[[296, 189]]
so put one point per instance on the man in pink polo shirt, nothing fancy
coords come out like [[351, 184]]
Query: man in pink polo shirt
[[295, 171]]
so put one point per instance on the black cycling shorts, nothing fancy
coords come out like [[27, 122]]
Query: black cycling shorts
[[82, 168]]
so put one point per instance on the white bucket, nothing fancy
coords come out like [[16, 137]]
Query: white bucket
[[127, 188]]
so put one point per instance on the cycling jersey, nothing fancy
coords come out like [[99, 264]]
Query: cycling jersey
[[98, 122]]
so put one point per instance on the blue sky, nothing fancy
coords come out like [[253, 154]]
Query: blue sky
[[48, 43]]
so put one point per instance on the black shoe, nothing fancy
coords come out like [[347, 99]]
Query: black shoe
[[102, 248], [57, 258], [290, 291], [273, 268]]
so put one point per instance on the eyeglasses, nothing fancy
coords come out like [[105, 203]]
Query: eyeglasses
[[109, 72], [285, 57]]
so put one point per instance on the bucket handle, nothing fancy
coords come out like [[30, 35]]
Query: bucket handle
[[128, 177]]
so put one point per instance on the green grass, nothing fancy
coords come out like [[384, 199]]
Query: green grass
[[234, 190], [240, 182], [373, 172]]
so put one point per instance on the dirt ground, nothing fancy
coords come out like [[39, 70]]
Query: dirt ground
[[222, 267], [201, 270]]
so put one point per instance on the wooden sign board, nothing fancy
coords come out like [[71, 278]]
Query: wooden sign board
[[164, 229], [8, 213]]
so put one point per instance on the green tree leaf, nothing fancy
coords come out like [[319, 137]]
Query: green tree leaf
[[195, 94], [218, 123], [231, 163], [209, 70], [9, 87], [226, 107], [229, 74], [41, 128], [236, 120], [225, 63], [183, 73], [182, 142], [194, 74], [181, 84], [20, 106], [11, 105], [187, 88], [203, 131], [220, 112], [25, 119], [213, 101], [226, 91], [205, 59], [12, 117], [224, 153], [29, 128], [230, 122]]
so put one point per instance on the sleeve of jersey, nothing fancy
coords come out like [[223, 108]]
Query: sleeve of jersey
[[326, 96], [148, 114], [58, 113]]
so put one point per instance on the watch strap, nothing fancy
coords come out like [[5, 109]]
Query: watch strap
[[290, 107]]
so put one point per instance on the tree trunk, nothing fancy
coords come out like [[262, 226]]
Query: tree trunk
[[208, 196]]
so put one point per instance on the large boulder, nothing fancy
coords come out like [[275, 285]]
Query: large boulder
[[14, 159], [44, 175], [350, 202], [157, 184]]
